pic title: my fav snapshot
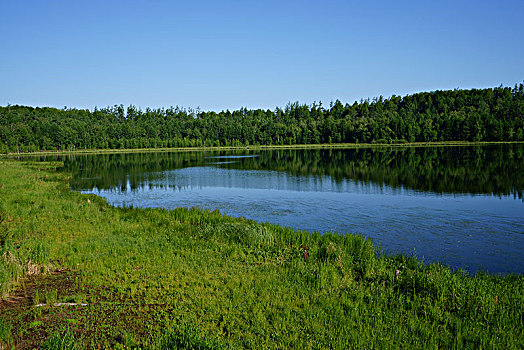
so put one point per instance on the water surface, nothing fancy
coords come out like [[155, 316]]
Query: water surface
[[462, 206]]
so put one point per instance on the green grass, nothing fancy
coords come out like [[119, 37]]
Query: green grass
[[262, 147], [196, 279]]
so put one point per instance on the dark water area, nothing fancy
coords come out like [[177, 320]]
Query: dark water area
[[461, 206]]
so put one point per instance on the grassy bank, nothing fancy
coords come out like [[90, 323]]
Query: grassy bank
[[154, 278], [261, 147]]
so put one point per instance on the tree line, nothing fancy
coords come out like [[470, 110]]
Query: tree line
[[493, 114]]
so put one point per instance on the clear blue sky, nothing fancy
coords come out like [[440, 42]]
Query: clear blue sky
[[259, 54]]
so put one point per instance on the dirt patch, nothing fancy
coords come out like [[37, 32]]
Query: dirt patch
[[31, 325], [59, 304]]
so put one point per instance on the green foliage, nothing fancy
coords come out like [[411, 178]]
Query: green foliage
[[35, 324], [5, 332], [495, 114], [61, 341], [238, 232], [186, 336], [39, 253], [10, 269]]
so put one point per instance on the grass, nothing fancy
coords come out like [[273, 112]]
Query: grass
[[262, 147], [188, 278]]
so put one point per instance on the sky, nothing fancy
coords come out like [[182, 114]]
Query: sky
[[218, 55]]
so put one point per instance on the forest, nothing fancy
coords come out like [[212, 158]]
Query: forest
[[475, 115]]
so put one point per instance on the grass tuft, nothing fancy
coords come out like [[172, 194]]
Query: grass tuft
[[61, 341]]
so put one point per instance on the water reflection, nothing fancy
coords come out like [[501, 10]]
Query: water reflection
[[476, 170], [462, 206]]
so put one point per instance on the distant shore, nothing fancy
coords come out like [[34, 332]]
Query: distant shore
[[262, 147]]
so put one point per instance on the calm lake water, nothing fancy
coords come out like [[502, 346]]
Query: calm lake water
[[461, 206]]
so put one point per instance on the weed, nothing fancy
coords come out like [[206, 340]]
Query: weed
[[51, 296], [5, 332], [187, 336], [35, 324], [61, 341]]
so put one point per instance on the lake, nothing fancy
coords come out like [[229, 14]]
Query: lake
[[461, 206]]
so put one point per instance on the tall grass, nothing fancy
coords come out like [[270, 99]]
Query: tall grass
[[191, 278], [58, 341]]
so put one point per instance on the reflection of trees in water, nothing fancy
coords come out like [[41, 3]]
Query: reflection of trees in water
[[490, 169]]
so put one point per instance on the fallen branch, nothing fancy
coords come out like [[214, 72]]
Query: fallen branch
[[63, 304]]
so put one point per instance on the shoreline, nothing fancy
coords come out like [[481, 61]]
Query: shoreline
[[263, 147], [152, 277]]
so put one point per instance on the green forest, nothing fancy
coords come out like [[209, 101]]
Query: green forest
[[475, 115]]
